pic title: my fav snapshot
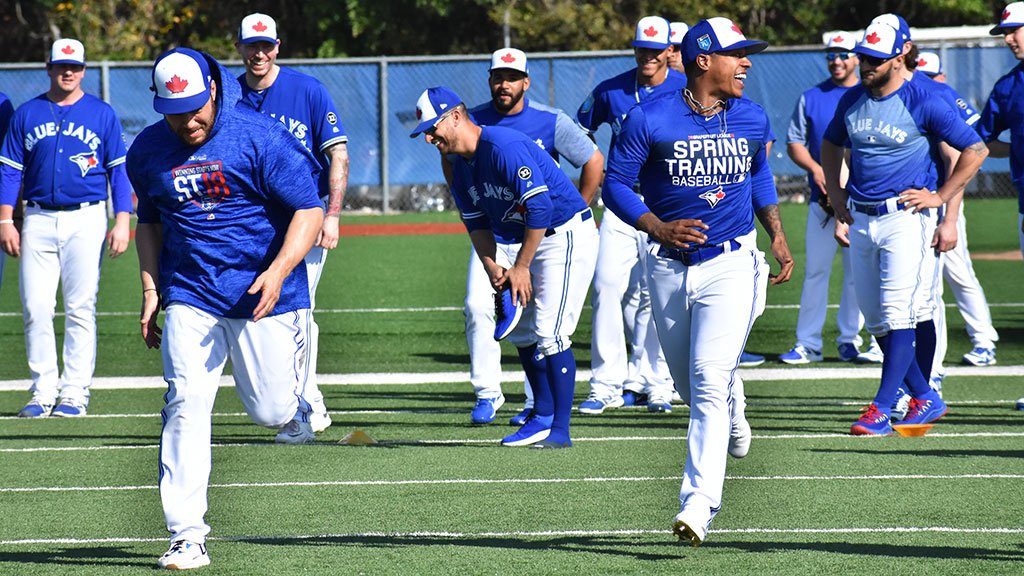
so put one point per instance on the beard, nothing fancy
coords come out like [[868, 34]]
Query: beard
[[878, 80], [515, 99]]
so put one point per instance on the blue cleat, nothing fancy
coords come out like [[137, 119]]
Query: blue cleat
[[536, 429], [800, 354], [872, 423], [901, 405], [485, 409], [506, 314], [981, 356], [848, 351], [597, 404], [924, 411], [68, 409], [749, 359], [522, 417], [35, 409], [630, 398], [659, 406]]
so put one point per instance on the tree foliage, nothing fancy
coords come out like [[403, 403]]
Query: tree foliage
[[142, 29]]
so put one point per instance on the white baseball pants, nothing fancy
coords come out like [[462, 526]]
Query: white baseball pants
[[314, 260]]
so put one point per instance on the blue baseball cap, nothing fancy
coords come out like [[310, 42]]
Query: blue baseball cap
[[433, 104], [897, 22], [652, 32], [181, 81], [881, 41], [717, 35]]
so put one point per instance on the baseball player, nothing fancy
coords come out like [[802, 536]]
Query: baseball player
[[811, 115], [958, 270], [699, 156], [1005, 106], [6, 111], [228, 206], [64, 147], [301, 104], [620, 299], [559, 136], [888, 123], [675, 37], [536, 239]]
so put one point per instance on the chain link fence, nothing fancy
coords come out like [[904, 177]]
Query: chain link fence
[[376, 98]]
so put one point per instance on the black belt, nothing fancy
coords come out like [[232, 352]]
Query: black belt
[[691, 256], [66, 208], [876, 209], [584, 216]]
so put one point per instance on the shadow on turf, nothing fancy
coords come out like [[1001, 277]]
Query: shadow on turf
[[947, 453], [89, 556], [874, 550]]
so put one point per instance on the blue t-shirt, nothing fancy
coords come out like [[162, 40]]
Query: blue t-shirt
[[304, 107], [1005, 111], [225, 205], [65, 154], [550, 128], [892, 139], [510, 184], [811, 116], [691, 166], [611, 99]]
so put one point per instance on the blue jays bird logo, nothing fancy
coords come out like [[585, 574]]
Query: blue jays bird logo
[[713, 196], [85, 161]]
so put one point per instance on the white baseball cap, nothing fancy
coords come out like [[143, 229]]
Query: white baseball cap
[[841, 40], [257, 28], [1012, 17], [67, 51], [510, 59], [431, 106], [897, 22], [929, 63], [652, 32], [881, 41], [676, 32], [181, 81]]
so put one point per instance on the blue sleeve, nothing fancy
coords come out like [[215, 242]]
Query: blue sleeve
[[520, 169], [593, 112], [539, 211], [836, 132], [797, 132], [114, 148], [992, 123], [327, 127], [941, 119], [146, 210], [6, 112], [12, 152], [120, 189], [571, 142], [626, 158], [10, 184], [288, 171], [11, 158]]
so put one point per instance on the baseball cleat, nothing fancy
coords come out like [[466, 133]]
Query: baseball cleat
[[320, 421], [873, 355], [749, 359], [522, 417], [597, 404], [485, 409], [68, 409], [35, 409], [848, 351], [688, 530], [295, 432], [739, 438], [981, 357], [872, 423], [935, 382], [184, 555], [659, 405], [924, 412], [901, 405], [800, 354], [506, 314], [537, 428], [630, 398]]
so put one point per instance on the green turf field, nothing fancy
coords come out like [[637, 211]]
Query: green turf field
[[438, 496]]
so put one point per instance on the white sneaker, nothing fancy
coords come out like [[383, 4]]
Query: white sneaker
[[800, 354], [320, 421], [689, 529], [296, 432], [595, 404], [739, 438], [873, 355], [184, 555]]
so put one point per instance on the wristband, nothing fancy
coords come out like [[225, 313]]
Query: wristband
[[6, 221], [149, 290]]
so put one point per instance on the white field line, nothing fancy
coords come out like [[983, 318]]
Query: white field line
[[479, 481], [432, 411], [422, 309], [529, 534], [494, 441], [418, 378]]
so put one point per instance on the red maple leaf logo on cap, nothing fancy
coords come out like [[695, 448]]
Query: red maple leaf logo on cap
[[419, 114], [259, 26], [736, 29], [873, 38], [672, 34], [651, 32], [68, 50], [922, 62], [508, 58], [1006, 14], [176, 85], [838, 38]]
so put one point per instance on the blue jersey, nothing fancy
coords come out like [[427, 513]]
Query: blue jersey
[[691, 166], [892, 139], [612, 99], [225, 205], [64, 155], [1005, 111], [510, 184], [550, 128], [960, 105], [811, 116], [6, 111], [303, 106]]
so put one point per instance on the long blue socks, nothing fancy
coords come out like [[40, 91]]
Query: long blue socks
[[553, 381], [536, 368]]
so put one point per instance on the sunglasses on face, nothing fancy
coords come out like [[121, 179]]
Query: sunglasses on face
[[844, 56], [874, 60]]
